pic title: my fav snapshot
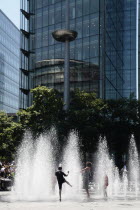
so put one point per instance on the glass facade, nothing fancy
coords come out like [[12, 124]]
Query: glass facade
[[129, 48], [113, 49], [98, 56], [120, 49], [9, 65], [84, 51]]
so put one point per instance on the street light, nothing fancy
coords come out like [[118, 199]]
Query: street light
[[66, 36]]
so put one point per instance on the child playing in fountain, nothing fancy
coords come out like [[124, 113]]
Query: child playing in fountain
[[60, 178], [86, 177], [105, 185]]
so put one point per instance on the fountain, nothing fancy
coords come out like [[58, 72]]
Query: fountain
[[124, 182], [37, 161], [35, 168], [105, 166], [117, 181], [72, 163], [129, 182], [134, 167], [22, 175]]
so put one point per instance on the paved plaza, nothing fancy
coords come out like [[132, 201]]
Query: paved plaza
[[91, 204]]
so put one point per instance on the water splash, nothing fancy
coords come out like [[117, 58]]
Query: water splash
[[117, 182], [72, 163], [35, 168], [126, 185], [37, 161], [105, 166], [134, 167], [124, 182], [24, 163]]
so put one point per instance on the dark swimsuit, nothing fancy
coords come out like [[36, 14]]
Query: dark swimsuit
[[60, 178]]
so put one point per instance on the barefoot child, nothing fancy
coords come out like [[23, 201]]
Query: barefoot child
[[60, 178], [105, 185], [86, 177]]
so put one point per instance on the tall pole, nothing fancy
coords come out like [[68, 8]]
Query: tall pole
[[66, 64], [66, 36]]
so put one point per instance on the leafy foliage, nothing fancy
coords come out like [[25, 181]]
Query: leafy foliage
[[10, 136], [45, 111], [85, 115], [89, 115]]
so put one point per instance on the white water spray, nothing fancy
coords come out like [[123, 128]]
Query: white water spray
[[134, 167], [72, 163], [36, 163], [105, 166], [33, 180]]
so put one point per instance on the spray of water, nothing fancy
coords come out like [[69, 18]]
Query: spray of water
[[33, 180], [134, 167], [116, 182], [129, 183], [72, 163], [105, 166], [124, 182], [37, 161], [24, 162]]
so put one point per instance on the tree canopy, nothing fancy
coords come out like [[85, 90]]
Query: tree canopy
[[88, 115], [10, 136], [45, 111]]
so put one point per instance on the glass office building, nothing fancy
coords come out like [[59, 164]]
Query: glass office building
[[9, 65], [130, 48], [102, 58], [113, 49]]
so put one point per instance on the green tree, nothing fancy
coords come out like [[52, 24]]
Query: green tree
[[89, 115], [120, 120], [45, 111], [85, 115], [10, 136]]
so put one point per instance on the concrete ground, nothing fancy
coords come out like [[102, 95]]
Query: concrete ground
[[83, 204]]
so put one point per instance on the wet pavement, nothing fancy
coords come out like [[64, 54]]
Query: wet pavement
[[6, 203]]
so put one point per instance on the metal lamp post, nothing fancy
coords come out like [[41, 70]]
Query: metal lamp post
[[66, 36]]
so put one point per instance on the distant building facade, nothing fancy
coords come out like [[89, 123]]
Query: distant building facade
[[9, 65], [121, 48], [103, 58]]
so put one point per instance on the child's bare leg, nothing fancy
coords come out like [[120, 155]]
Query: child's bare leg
[[105, 192], [60, 195], [68, 183], [87, 193]]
